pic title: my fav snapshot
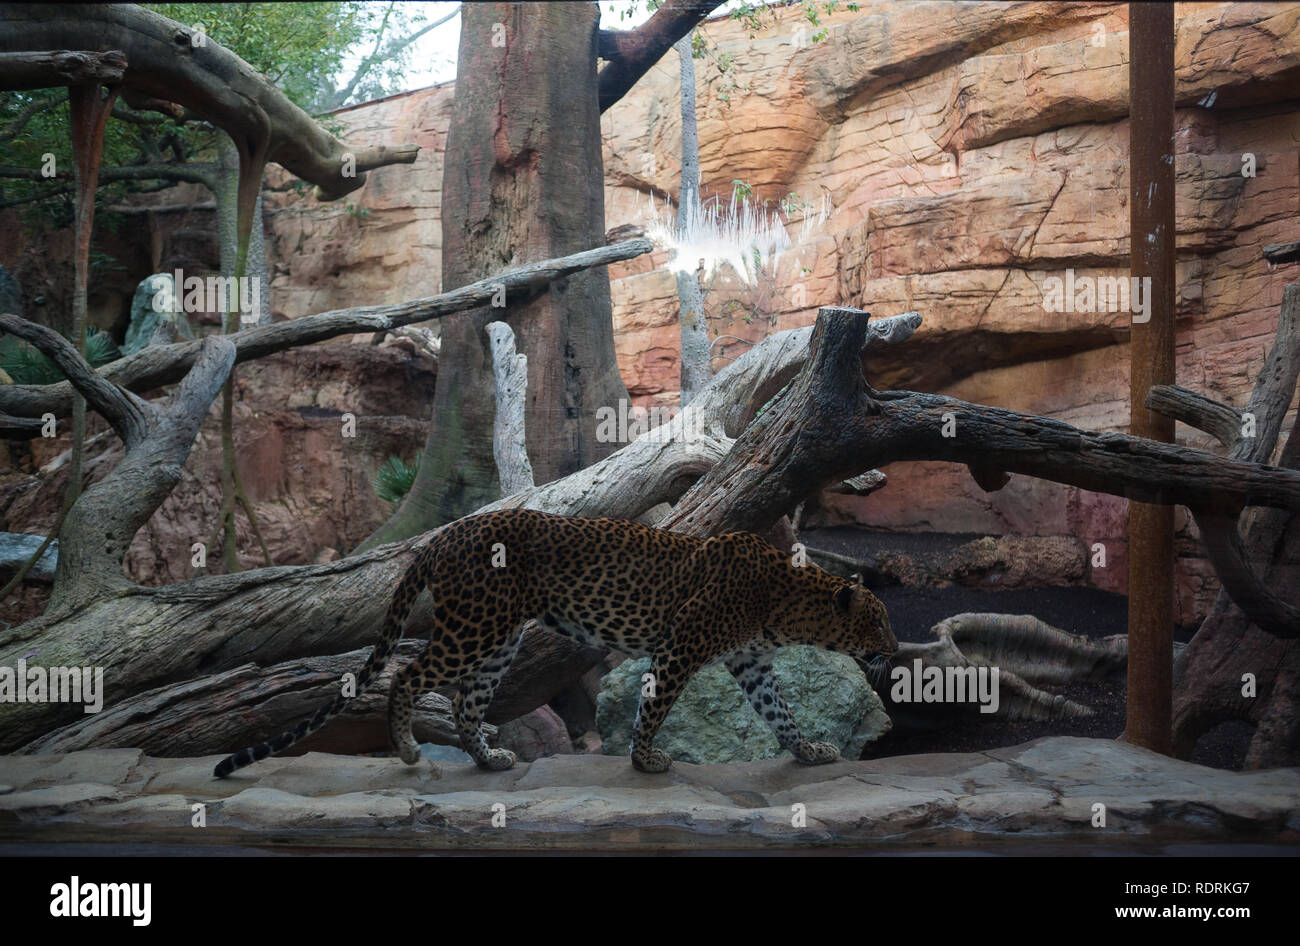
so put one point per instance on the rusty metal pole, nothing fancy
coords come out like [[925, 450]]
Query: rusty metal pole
[[1151, 352]]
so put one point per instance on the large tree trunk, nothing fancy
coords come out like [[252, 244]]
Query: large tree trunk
[[523, 181]]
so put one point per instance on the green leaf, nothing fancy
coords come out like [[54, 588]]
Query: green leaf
[[394, 478]]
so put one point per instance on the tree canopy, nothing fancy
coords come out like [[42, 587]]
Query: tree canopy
[[305, 49]]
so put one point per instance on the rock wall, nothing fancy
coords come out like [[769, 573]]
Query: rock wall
[[311, 485], [970, 153]]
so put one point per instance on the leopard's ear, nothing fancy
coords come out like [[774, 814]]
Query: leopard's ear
[[844, 599], [856, 578]]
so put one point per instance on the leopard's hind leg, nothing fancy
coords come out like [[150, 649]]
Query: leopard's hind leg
[[473, 697], [409, 683]]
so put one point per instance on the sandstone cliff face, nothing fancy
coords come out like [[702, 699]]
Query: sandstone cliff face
[[310, 483], [970, 153]]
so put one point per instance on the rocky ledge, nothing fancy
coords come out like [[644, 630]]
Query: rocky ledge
[[1049, 789]]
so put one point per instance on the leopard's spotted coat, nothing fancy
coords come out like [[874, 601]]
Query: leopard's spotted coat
[[682, 600]]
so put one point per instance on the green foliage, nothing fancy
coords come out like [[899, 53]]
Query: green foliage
[[298, 46], [101, 262], [301, 47], [26, 364], [394, 478]]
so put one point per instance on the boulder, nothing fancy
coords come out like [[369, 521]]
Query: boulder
[[16, 549], [712, 721], [535, 735], [145, 318]]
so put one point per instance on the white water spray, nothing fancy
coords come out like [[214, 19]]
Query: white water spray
[[739, 233]]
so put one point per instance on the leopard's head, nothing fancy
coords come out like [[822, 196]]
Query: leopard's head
[[862, 628]]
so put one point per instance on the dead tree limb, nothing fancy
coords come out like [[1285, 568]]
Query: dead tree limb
[[1263, 417], [1241, 582], [509, 444], [155, 366], [1197, 410], [23, 71], [631, 53], [1231, 646], [99, 527], [828, 425]]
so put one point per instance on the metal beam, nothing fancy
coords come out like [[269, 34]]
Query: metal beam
[[1151, 352]]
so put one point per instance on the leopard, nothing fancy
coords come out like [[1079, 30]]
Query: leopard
[[683, 600]]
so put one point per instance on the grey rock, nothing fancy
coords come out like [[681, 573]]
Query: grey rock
[[16, 548], [146, 320], [712, 721], [436, 753]]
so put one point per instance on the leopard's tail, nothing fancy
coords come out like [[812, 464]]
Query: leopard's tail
[[403, 600]]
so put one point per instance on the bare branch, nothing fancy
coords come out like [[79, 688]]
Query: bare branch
[[127, 413], [631, 53], [509, 443], [196, 173], [25, 69], [832, 426], [165, 364], [1241, 582], [1276, 384], [1196, 410], [38, 104], [388, 52], [100, 526]]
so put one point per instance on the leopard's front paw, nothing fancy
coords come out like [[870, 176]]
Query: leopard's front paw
[[816, 753], [409, 752], [497, 760], [651, 760]]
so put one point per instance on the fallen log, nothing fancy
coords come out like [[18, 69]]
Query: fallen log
[[208, 715]]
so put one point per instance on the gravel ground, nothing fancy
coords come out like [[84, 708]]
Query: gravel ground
[[913, 611]]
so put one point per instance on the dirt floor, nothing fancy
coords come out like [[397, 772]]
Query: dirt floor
[[913, 611]]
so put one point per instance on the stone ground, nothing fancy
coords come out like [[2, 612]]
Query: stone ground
[[1039, 792]]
